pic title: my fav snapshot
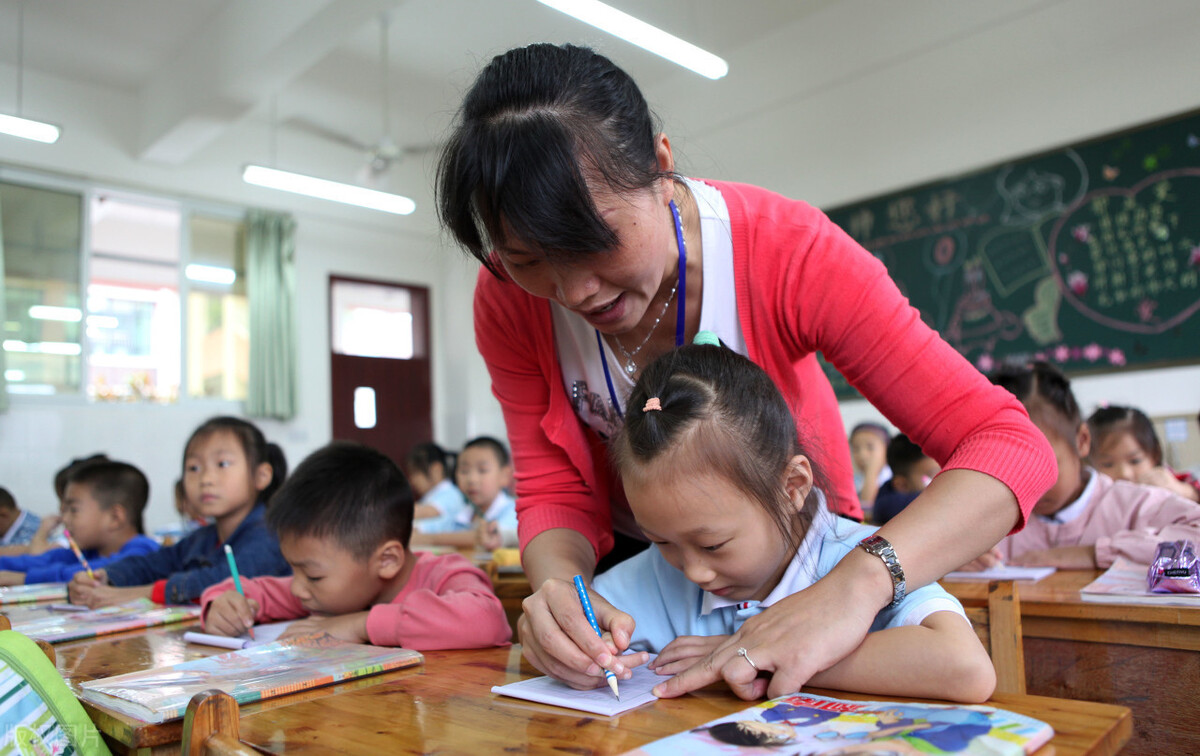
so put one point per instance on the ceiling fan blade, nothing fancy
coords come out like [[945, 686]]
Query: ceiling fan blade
[[303, 124]]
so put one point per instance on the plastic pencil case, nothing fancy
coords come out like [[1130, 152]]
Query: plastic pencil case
[[1175, 568]]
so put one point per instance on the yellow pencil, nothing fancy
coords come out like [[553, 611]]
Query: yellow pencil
[[78, 553]]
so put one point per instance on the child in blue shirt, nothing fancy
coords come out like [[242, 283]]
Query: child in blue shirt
[[229, 472], [102, 507], [717, 481], [483, 472], [430, 470], [912, 471]]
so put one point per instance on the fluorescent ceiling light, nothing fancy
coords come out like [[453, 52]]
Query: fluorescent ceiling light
[[210, 274], [27, 129], [329, 190], [620, 24], [13, 374], [64, 314]]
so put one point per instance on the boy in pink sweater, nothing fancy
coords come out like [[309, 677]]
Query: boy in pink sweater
[[1086, 520], [344, 520]]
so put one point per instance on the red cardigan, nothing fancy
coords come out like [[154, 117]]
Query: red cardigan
[[802, 285]]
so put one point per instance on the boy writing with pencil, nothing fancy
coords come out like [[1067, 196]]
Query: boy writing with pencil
[[344, 520], [102, 509]]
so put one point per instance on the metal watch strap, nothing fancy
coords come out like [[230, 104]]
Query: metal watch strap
[[879, 546]]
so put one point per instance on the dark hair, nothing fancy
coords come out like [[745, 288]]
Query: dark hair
[[114, 484], [537, 122], [254, 445], [6, 499], [731, 415], [348, 492], [424, 456], [875, 428], [903, 454], [1116, 418], [60, 477], [487, 442], [1044, 391]]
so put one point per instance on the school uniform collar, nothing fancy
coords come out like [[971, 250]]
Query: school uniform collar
[[798, 575], [1077, 507]]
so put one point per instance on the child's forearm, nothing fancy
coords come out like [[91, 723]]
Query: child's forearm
[[941, 658]]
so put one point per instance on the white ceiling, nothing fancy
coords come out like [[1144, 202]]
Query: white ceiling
[[203, 77]]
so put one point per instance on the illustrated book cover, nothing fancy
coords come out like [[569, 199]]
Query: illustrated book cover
[[249, 674], [810, 724], [55, 626]]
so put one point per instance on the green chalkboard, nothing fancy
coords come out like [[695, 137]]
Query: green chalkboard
[[1087, 256]]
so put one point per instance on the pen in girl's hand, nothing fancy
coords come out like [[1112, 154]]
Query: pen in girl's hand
[[581, 589]]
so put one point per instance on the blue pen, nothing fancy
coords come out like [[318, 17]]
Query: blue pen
[[581, 589]]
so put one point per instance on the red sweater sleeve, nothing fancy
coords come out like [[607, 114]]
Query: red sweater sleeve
[[827, 293], [447, 603], [273, 594], [554, 458]]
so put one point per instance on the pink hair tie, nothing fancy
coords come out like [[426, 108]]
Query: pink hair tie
[[652, 403]]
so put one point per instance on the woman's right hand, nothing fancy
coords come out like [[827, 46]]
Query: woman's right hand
[[557, 638]]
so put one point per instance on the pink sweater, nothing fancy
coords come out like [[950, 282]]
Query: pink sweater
[[1121, 519], [446, 603], [802, 285]]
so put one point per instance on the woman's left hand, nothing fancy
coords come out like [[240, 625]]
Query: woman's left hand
[[789, 642], [685, 651]]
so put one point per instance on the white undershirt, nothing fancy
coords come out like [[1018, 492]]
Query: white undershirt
[[575, 340]]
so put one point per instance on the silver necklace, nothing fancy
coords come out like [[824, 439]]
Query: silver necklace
[[630, 365]]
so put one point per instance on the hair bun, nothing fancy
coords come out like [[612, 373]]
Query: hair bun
[[706, 338]]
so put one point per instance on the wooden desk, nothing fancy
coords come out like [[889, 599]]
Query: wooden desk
[[1140, 656]]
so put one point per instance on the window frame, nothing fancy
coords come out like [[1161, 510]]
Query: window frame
[[188, 207]]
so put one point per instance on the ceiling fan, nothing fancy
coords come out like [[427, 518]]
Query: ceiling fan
[[384, 152]]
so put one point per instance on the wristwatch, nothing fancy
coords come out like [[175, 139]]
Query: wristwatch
[[879, 546]]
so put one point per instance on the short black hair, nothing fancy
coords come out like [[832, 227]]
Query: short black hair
[[6, 500], [876, 428], [1116, 418], [903, 454], [114, 484], [487, 442], [60, 477], [425, 456], [1044, 391], [348, 492], [537, 123]]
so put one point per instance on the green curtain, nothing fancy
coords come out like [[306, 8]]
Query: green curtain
[[271, 289], [3, 318]]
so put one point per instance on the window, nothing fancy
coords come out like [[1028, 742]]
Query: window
[[115, 296], [372, 320]]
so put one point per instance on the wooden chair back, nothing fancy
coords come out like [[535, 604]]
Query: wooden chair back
[[998, 625], [210, 726]]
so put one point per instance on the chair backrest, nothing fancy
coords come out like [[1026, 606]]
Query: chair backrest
[[210, 726], [39, 712], [998, 625]]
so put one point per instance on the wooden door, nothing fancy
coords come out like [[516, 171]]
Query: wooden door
[[380, 364]]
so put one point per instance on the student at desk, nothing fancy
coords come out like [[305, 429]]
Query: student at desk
[[344, 520], [102, 510], [1086, 520]]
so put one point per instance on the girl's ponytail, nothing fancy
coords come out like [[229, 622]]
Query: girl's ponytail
[[278, 462]]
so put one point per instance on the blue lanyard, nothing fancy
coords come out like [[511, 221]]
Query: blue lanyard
[[680, 313]]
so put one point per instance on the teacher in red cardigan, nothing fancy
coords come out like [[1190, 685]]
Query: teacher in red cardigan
[[598, 257]]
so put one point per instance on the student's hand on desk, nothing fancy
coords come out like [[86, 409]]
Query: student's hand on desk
[[790, 641], [1163, 478], [8, 577], [685, 651], [985, 561], [1062, 557], [351, 628], [488, 536], [557, 638], [230, 614], [82, 586]]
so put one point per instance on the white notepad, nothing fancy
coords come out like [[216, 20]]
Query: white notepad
[[1004, 572], [262, 634], [635, 692]]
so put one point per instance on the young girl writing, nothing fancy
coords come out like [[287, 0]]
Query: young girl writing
[[344, 520], [1126, 447], [430, 470], [1086, 519], [717, 481], [229, 473]]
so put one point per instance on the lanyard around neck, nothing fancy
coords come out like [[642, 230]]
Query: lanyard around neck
[[680, 313]]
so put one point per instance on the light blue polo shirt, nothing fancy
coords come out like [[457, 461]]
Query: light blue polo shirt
[[666, 605], [450, 502]]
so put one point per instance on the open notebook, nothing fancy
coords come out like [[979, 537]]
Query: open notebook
[[250, 674], [262, 634], [809, 724], [57, 626], [635, 692]]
